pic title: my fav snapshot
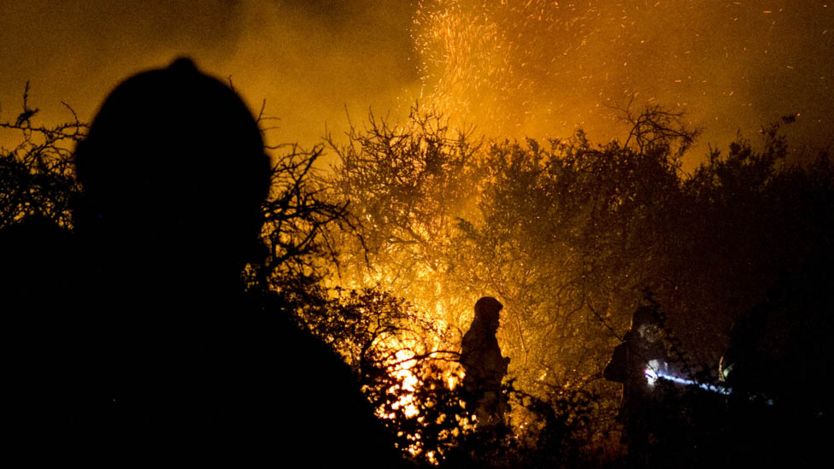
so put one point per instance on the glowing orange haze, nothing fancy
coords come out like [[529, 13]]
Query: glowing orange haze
[[510, 68]]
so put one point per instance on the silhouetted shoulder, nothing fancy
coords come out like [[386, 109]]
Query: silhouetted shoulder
[[35, 274], [41, 333], [333, 423]]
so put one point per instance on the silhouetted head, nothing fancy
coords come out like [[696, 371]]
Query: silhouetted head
[[487, 314], [173, 170], [647, 322]]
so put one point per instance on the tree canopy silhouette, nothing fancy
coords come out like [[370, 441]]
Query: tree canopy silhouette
[[383, 257]]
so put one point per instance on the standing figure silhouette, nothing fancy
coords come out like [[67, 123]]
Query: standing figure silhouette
[[635, 363], [484, 366]]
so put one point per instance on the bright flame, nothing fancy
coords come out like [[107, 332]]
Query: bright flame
[[408, 383]]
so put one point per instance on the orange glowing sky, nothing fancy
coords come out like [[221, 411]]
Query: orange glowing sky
[[511, 68]]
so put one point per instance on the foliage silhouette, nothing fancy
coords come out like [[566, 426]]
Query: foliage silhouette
[[36, 175], [416, 221], [569, 235]]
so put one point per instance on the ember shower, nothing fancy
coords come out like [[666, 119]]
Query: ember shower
[[565, 235], [545, 68], [510, 68]]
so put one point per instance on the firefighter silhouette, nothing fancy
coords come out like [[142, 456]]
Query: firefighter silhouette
[[189, 364], [484, 366], [636, 363]]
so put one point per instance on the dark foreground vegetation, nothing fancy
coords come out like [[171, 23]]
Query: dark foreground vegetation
[[383, 256]]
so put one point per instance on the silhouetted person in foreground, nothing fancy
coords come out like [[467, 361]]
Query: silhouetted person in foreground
[[635, 363], [182, 364], [484, 366]]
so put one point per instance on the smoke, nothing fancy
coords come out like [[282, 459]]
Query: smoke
[[77, 51], [510, 68], [310, 60]]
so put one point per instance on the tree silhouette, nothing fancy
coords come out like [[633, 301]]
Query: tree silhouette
[[569, 234], [36, 174], [383, 257]]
